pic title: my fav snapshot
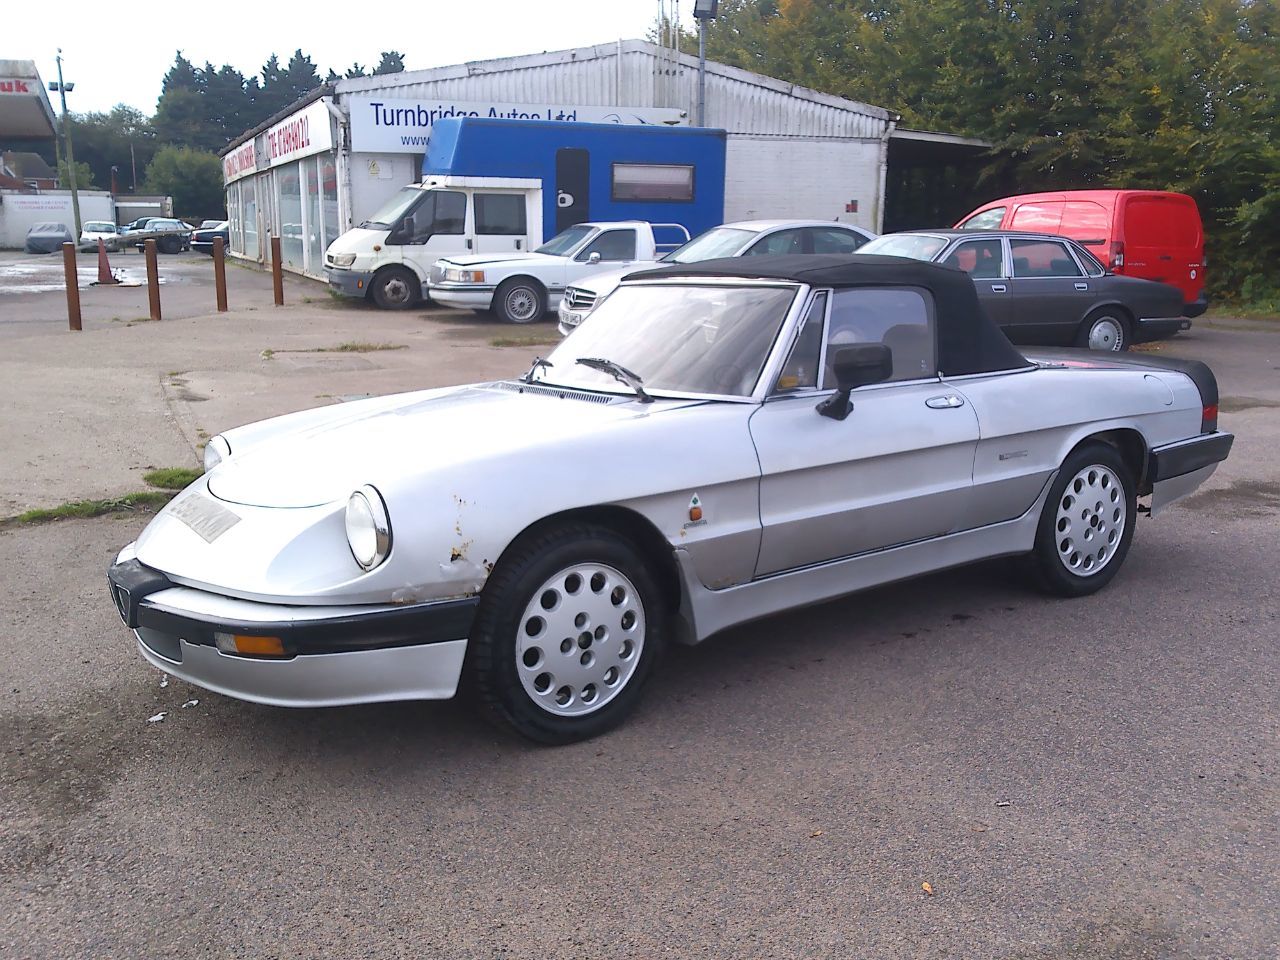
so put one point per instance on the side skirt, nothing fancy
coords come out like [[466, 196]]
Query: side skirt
[[704, 612]]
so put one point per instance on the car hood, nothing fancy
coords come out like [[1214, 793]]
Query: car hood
[[602, 283], [356, 240], [327, 457], [483, 259]]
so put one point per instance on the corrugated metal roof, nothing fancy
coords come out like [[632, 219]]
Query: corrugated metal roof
[[639, 74]]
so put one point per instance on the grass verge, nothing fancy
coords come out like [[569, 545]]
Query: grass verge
[[83, 509], [172, 478], [532, 340]]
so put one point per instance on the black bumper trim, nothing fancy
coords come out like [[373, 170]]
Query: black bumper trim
[[1187, 456], [410, 625]]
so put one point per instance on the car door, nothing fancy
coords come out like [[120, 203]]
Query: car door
[[617, 250], [1049, 293], [896, 470], [500, 222], [984, 260], [793, 240]]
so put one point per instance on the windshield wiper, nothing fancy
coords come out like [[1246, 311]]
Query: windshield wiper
[[619, 373], [538, 364]]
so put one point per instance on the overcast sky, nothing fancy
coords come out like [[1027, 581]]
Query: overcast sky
[[118, 53]]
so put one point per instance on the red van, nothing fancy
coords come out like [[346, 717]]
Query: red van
[[1150, 234]]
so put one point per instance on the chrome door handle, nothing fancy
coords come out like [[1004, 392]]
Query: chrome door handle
[[998, 288], [949, 402], [1082, 286]]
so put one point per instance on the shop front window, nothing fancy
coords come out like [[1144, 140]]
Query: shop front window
[[289, 187], [249, 217], [329, 193], [315, 236]]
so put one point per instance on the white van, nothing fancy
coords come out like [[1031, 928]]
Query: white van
[[389, 256]]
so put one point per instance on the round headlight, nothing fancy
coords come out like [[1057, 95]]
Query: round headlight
[[368, 527], [215, 451]]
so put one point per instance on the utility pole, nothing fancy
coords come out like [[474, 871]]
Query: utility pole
[[703, 10], [62, 87]]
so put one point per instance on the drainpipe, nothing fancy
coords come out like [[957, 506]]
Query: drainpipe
[[344, 159], [891, 124]]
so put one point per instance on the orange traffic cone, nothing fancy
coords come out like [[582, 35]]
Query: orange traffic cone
[[104, 268]]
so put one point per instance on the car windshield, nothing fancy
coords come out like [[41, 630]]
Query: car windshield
[[99, 226], [395, 208], [917, 246], [679, 338], [715, 243], [566, 240]]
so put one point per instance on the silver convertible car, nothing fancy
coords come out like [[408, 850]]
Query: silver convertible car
[[717, 443]]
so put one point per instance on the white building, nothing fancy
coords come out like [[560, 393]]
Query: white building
[[311, 173]]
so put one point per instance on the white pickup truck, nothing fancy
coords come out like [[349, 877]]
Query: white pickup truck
[[520, 288]]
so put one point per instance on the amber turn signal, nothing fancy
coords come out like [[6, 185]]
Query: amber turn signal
[[248, 646], [695, 513]]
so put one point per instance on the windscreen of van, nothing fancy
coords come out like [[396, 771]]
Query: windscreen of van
[[390, 212], [986, 220], [1043, 217]]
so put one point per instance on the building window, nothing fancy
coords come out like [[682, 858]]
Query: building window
[[665, 183]]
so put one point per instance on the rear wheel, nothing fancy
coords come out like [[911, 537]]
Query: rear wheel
[[395, 288], [1104, 330], [1087, 523], [169, 245], [571, 624]]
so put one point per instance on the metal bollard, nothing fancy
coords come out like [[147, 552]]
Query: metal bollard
[[153, 280], [73, 285], [277, 276], [220, 273]]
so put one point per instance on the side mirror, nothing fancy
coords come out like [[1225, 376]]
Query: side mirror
[[856, 366], [593, 257]]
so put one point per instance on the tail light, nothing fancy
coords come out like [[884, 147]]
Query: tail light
[[1209, 419], [1117, 255]]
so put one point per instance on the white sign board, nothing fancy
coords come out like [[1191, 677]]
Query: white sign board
[[306, 132], [391, 125]]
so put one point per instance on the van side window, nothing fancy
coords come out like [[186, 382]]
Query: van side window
[[986, 220], [1043, 217], [500, 214], [899, 317], [1042, 258]]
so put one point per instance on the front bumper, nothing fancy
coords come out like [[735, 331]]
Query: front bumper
[[348, 283], [569, 319], [462, 296], [334, 655]]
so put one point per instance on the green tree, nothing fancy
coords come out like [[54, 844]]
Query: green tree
[[390, 62], [84, 175], [192, 177]]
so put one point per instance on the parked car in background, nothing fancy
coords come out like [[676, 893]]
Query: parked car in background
[[826, 425], [1047, 290], [134, 225], [1150, 234], [202, 238], [747, 238], [47, 237], [522, 287], [171, 236], [104, 230]]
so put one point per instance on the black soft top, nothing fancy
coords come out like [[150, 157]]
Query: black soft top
[[968, 340]]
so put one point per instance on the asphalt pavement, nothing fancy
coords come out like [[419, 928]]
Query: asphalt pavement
[[1073, 779]]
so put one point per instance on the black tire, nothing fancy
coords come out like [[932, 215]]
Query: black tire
[[1107, 325], [521, 578], [169, 245], [1060, 552], [520, 300], [396, 288]]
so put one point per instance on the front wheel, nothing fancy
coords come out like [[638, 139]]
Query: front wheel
[[396, 288], [1104, 330], [520, 300], [571, 624], [1087, 523]]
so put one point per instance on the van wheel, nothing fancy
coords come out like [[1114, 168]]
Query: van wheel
[[1105, 329], [520, 300], [396, 288]]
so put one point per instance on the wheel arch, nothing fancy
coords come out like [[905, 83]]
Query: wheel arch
[[1113, 305], [640, 531], [1132, 447]]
